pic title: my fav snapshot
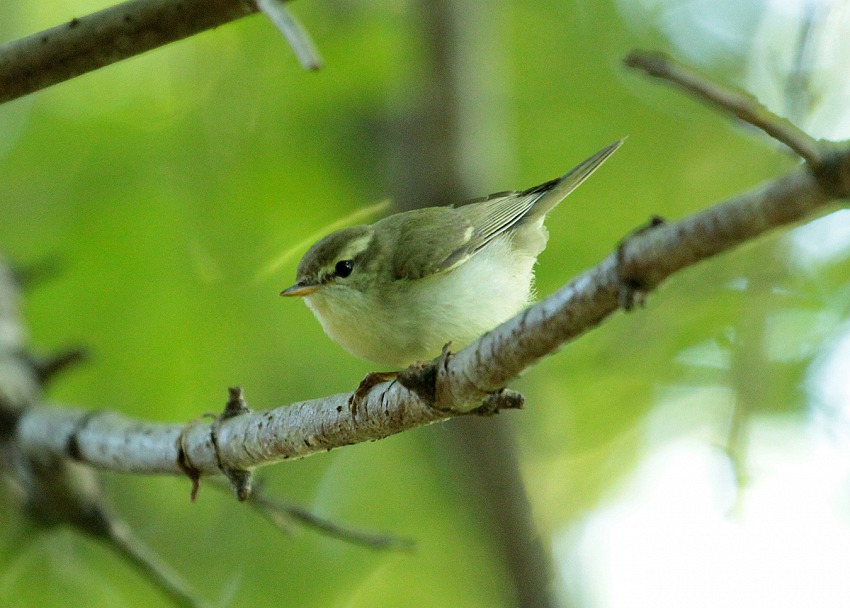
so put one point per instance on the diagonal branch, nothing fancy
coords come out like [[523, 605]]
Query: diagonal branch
[[40, 445], [277, 512], [470, 381], [729, 100], [87, 43], [456, 384]]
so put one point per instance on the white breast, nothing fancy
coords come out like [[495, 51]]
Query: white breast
[[420, 316]]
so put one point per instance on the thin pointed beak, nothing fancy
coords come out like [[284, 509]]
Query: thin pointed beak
[[299, 290]]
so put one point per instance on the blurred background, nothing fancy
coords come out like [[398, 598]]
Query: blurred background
[[693, 453]]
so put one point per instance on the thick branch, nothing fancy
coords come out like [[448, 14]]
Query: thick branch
[[453, 384], [462, 382], [646, 260], [113, 442], [97, 40]]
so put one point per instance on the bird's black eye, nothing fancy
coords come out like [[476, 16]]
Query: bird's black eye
[[344, 268]]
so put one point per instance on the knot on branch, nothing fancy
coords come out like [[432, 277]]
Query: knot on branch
[[503, 399], [72, 445], [427, 378], [240, 479], [833, 169], [633, 284], [185, 463]]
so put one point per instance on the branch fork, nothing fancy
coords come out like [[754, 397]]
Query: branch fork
[[470, 381]]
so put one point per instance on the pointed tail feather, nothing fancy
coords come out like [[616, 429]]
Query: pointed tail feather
[[557, 189]]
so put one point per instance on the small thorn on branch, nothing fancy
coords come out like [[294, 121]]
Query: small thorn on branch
[[505, 399], [47, 368], [236, 403], [241, 481]]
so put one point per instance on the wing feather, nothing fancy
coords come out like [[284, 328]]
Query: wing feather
[[428, 241], [446, 237]]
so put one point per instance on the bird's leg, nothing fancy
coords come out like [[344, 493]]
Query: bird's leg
[[371, 380]]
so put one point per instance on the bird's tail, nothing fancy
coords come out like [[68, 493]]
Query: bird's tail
[[556, 190]]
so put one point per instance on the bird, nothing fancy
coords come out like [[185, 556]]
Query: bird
[[398, 291]]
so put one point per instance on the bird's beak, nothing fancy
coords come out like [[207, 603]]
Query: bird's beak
[[299, 290]]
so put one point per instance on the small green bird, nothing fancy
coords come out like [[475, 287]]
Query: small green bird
[[396, 291]]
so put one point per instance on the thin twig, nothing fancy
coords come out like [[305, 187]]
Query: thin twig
[[35, 274], [729, 100], [47, 368], [59, 492], [297, 37], [273, 510], [122, 539], [463, 380]]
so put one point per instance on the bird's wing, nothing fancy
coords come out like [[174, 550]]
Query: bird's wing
[[438, 234], [446, 237], [497, 213]]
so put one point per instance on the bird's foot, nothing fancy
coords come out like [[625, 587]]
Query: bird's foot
[[371, 380]]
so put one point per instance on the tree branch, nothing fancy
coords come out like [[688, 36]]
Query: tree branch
[[470, 381], [458, 383], [453, 384], [278, 512], [729, 100], [40, 446], [87, 43], [297, 37]]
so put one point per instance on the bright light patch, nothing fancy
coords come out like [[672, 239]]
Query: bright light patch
[[672, 539], [821, 241], [828, 383]]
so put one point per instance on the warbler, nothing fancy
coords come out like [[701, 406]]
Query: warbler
[[396, 291]]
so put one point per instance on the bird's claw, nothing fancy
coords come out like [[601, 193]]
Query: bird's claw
[[371, 380]]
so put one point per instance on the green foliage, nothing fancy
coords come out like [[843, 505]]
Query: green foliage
[[167, 184]]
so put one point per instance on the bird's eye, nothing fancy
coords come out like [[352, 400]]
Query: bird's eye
[[344, 268]]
